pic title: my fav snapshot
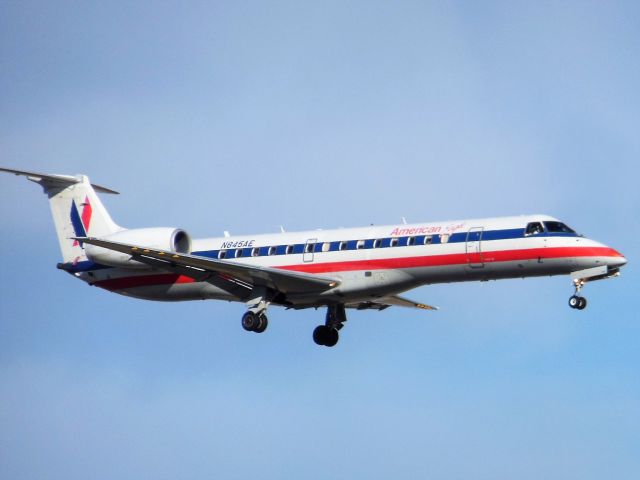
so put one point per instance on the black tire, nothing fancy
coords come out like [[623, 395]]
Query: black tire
[[332, 337], [250, 321], [574, 301], [263, 323], [320, 334], [582, 303]]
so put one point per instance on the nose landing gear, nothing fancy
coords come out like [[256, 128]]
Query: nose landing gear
[[576, 301], [581, 277]]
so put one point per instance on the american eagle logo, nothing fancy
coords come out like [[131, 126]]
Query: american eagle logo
[[81, 222]]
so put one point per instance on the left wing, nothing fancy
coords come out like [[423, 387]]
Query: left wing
[[201, 268]]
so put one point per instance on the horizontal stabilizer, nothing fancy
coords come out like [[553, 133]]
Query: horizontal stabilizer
[[48, 180]]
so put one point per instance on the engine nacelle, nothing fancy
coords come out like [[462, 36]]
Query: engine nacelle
[[171, 239]]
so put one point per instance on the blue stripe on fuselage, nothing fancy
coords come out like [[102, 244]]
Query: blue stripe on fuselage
[[280, 250], [386, 242]]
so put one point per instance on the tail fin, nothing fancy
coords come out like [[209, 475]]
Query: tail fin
[[77, 210]]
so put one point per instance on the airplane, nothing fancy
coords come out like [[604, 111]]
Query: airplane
[[360, 268]]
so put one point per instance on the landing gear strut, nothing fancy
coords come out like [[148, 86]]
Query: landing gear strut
[[327, 334], [576, 301]]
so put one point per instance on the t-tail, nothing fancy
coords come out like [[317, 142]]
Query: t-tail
[[77, 211]]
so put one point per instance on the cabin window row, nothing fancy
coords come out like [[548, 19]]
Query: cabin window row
[[344, 245], [332, 246], [534, 228]]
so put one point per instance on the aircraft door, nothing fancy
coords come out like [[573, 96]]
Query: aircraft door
[[473, 247], [309, 248]]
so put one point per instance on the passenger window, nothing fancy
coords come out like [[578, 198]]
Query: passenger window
[[289, 250], [222, 254], [326, 246], [272, 250], [360, 244], [394, 242], [428, 240], [444, 238], [411, 241], [343, 245], [308, 248], [255, 252], [239, 253], [534, 228], [377, 243]]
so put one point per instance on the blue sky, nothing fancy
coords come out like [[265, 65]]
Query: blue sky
[[244, 116]]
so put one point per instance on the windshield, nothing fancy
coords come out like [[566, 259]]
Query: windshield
[[558, 227]]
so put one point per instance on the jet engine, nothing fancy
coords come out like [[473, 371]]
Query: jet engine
[[171, 239]]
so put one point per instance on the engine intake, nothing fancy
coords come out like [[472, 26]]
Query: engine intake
[[171, 239]]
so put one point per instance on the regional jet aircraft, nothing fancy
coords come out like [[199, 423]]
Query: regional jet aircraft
[[362, 268]]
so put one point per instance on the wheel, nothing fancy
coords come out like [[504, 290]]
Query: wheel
[[320, 335], [582, 303], [332, 337], [574, 301], [325, 336], [263, 322], [250, 321]]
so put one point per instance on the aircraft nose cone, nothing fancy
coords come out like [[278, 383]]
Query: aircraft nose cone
[[618, 261]]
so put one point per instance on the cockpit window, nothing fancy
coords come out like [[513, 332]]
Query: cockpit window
[[534, 228], [558, 227]]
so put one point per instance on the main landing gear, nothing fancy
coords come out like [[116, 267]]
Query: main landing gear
[[576, 301], [255, 322], [255, 319], [327, 335]]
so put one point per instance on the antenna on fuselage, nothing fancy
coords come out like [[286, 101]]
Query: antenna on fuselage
[[226, 234], [404, 220], [282, 229]]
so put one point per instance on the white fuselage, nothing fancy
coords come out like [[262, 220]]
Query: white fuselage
[[373, 262]]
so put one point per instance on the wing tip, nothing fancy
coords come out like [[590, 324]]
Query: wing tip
[[424, 306]]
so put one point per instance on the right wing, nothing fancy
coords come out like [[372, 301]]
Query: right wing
[[202, 268]]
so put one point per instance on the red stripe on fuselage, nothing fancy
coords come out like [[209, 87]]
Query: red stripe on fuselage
[[384, 264], [455, 259], [124, 283]]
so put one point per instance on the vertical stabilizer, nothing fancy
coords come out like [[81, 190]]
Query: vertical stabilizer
[[77, 211]]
